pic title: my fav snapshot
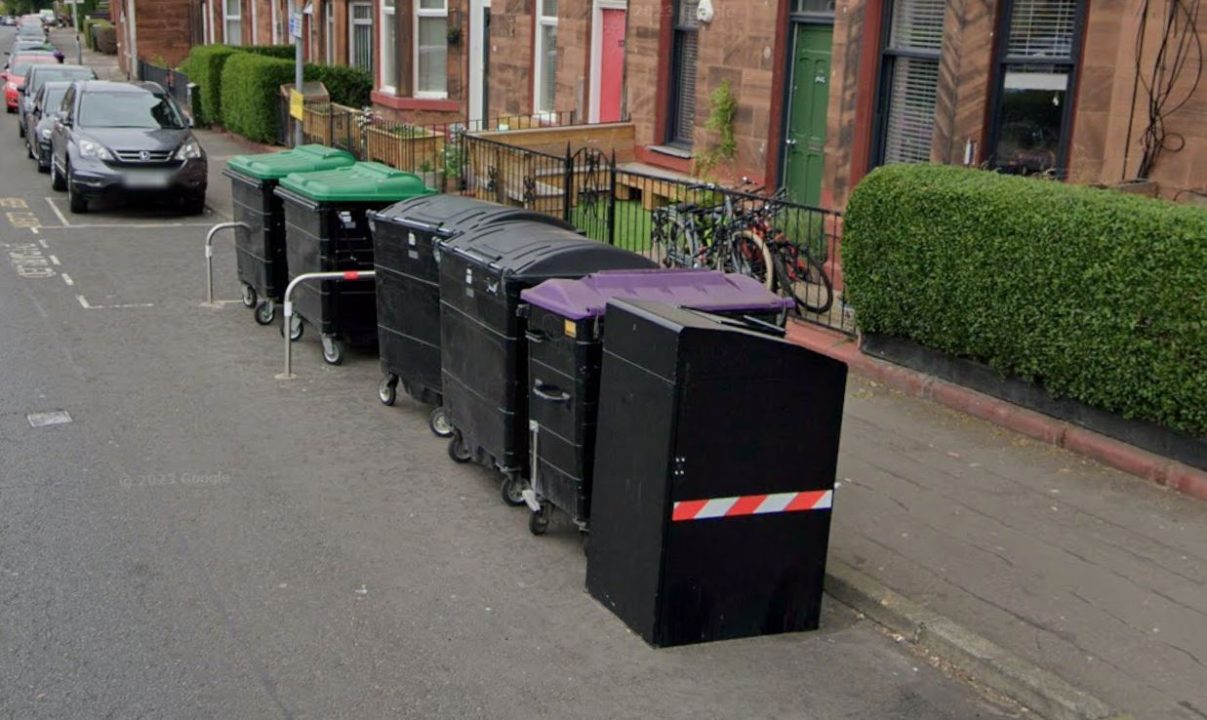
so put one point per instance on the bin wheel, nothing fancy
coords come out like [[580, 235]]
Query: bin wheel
[[538, 522], [266, 312], [512, 490], [457, 450], [296, 328], [439, 424], [387, 389], [249, 296], [333, 350]]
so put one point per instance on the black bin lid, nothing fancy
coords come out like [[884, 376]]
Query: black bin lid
[[449, 215], [529, 251]]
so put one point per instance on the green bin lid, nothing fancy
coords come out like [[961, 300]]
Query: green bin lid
[[362, 182], [304, 158]]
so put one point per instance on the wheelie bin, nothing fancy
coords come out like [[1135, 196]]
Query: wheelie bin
[[408, 287], [260, 250], [714, 472], [483, 352], [565, 345], [326, 230]]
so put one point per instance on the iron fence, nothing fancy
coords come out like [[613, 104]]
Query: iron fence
[[174, 81], [609, 202]]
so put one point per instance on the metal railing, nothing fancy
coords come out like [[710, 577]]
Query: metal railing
[[174, 81]]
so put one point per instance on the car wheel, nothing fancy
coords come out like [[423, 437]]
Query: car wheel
[[194, 204], [56, 180], [21, 129], [78, 203]]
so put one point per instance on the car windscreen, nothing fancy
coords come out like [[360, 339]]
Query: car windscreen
[[53, 98], [55, 73], [128, 110], [21, 65]]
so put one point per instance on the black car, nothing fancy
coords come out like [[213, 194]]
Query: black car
[[37, 75], [121, 139], [42, 118]]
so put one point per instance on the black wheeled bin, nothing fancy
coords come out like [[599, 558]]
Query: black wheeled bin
[[260, 250], [565, 345], [327, 230], [408, 287], [714, 476], [483, 351]]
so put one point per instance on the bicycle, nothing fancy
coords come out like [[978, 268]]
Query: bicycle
[[712, 237], [796, 270]]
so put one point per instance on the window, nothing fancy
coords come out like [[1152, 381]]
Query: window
[[232, 27], [360, 35], [329, 18], [909, 80], [1037, 66], [682, 123], [545, 76], [812, 7], [389, 46], [290, 8], [431, 48]]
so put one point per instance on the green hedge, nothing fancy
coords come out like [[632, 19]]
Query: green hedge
[[88, 25], [205, 63], [1094, 295], [204, 66], [346, 85], [251, 94], [277, 51]]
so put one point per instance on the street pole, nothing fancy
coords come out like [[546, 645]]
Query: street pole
[[75, 19], [295, 28]]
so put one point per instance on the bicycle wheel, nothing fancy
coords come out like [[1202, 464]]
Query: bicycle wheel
[[748, 254], [799, 275]]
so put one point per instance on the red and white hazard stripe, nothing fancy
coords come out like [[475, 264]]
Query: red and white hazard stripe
[[740, 505]]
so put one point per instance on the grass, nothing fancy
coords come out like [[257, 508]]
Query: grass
[[632, 224]]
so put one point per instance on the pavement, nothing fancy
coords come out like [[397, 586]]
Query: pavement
[[204, 540]]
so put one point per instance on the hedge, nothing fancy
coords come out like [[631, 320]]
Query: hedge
[[106, 38], [89, 36], [205, 63], [251, 94], [1092, 294], [346, 85], [203, 67]]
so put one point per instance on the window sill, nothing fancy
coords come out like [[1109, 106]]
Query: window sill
[[675, 152], [415, 103]]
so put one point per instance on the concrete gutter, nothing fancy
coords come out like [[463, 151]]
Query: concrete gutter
[[1040, 691]]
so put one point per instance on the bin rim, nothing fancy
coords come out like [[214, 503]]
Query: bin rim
[[359, 182], [700, 289], [276, 165]]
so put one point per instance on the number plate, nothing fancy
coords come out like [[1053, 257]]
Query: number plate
[[146, 180]]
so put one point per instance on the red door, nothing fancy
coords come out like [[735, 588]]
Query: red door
[[611, 66]]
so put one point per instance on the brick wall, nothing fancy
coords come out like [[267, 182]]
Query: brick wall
[[164, 32], [1100, 133], [511, 25]]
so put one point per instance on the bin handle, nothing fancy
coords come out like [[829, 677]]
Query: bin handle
[[541, 390], [536, 336]]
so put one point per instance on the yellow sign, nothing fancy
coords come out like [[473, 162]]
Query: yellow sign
[[571, 329], [297, 103]]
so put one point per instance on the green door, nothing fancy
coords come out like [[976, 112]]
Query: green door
[[805, 139]]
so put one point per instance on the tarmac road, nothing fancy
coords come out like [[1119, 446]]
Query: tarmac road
[[202, 540]]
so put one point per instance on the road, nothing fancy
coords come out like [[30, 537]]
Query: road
[[202, 540]]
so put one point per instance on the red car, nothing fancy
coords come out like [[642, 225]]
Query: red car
[[14, 75]]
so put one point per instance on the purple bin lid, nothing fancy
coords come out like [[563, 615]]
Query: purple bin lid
[[705, 290]]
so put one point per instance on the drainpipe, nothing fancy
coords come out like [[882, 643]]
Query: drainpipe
[[132, 31]]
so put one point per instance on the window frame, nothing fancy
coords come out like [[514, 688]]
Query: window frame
[[227, 17], [886, 65], [1002, 60], [388, 13], [673, 95], [421, 12], [353, 23], [538, 65]]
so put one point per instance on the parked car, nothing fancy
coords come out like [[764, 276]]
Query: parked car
[[8, 21], [122, 139], [21, 45], [14, 75], [47, 104], [31, 29], [33, 81]]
